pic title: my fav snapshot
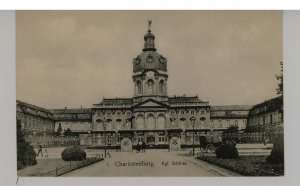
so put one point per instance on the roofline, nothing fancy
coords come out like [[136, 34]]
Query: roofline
[[266, 101]]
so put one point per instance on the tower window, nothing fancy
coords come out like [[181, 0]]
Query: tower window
[[161, 87], [139, 87], [150, 87]]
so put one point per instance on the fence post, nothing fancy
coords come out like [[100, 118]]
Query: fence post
[[272, 172], [257, 170], [245, 167]]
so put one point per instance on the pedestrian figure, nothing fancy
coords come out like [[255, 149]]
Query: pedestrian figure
[[138, 147], [46, 152], [143, 147], [40, 150], [108, 154]]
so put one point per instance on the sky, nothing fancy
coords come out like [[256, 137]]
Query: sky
[[75, 58]]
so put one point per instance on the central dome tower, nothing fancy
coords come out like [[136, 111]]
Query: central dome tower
[[150, 72]]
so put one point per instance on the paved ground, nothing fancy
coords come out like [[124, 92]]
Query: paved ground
[[151, 163]]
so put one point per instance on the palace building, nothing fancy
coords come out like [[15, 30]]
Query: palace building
[[151, 115]]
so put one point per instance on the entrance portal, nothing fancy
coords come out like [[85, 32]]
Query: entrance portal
[[150, 141]]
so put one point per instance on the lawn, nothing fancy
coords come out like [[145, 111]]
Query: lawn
[[43, 166]]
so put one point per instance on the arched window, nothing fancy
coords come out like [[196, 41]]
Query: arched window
[[182, 122], [161, 87], [150, 122], [161, 122], [139, 87], [150, 86], [118, 123], [140, 122], [108, 124]]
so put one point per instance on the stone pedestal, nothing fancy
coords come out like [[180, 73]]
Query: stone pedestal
[[174, 144], [126, 145]]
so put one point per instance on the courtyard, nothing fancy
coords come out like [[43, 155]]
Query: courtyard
[[151, 163]]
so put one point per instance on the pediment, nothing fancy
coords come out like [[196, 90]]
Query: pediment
[[151, 103]]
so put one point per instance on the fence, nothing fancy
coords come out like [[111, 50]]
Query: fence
[[256, 137], [72, 166], [53, 141]]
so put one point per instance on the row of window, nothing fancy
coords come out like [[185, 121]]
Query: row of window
[[150, 87], [227, 123], [113, 113], [34, 125], [266, 119], [190, 112]]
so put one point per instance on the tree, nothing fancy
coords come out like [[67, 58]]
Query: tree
[[279, 78], [277, 153], [231, 134], [25, 153], [227, 151]]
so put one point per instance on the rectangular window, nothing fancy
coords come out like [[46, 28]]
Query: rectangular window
[[109, 139], [271, 118], [220, 124]]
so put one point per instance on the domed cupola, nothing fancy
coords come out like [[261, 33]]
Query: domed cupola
[[150, 72], [149, 59]]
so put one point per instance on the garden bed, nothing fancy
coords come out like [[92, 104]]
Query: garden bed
[[247, 165]]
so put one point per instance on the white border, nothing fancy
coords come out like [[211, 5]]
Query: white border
[[153, 4], [7, 120]]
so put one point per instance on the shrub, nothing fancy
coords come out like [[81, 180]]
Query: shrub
[[25, 153], [73, 154], [277, 153], [227, 151], [19, 165]]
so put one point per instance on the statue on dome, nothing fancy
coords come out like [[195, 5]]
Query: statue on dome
[[149, 24]]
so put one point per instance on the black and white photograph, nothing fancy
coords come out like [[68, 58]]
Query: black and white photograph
[[149, 93]]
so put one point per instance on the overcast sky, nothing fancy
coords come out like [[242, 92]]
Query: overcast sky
[[74, 58]]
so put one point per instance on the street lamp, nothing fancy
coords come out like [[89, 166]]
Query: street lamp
[[104, 128], [193, 123]]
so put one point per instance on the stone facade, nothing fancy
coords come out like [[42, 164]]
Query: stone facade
[[34, 120], [77, 120], [268, 114], [223, 117]]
